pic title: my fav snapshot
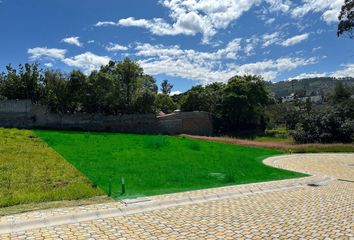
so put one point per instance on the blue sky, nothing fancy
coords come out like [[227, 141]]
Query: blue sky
[[188, 42]]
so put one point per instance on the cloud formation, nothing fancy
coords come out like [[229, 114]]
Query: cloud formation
[[207, 67], [111, 47], [73, 41], [329, 9], [196, 16], [87, 61], [295, 40], [44, 52], [207, 17]]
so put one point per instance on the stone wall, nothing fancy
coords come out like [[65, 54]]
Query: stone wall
[[22, 114], [15, 106], [195, 123]]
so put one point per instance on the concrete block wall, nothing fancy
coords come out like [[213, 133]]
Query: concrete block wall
[[22, 114]]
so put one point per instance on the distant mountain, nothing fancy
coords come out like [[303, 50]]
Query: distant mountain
[[309, 86]]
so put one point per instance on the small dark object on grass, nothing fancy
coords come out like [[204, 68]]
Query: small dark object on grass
[[123, 186], [110, 187]]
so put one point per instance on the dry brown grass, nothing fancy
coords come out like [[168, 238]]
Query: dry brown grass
[[286, 147]]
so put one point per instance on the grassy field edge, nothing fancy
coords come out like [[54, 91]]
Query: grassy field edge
[[280, 146]]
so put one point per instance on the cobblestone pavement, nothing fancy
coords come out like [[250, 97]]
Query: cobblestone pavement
[[324, 212]]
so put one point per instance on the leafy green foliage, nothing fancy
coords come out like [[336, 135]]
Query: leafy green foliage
[[24, 83], [321, 86], [161, 164], [237, 105], [243, 103], [165, 103], [341, 93], [166, 87], [200, 98], [333, 124], [119, 87], [346, 19]]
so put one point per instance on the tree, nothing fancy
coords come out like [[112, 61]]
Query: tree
[[104, 92], [129, 73], [56, 96], [243, 103], [2, 85], [346, 19], [341, 93], [166, 87], [200, 98], [334, 124], [24, 83], [75, 88], [145, 102], [165, 103], [120, 87], [117, 88]]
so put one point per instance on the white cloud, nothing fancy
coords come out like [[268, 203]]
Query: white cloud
[[116, 47], [316, 48], [73, 41], [44, 52], [191, 17], [271, 38], [229, 52], [295, 40], [183, 68], [87, 61], [105, 24], [279, 5], [175, 93], [347, 70], [250, 45], [189, 70], [308, 75], [269, 69], [187, 25], [208, 67], [91, 41], [329, 8], [269, 21], [48, 65]]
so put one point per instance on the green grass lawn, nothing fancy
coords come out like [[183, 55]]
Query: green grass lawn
[[31, 172], [154, 165]]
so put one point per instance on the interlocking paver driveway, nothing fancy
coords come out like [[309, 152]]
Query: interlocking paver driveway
[[325, 212]]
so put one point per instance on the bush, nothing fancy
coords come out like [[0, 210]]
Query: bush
[[165, 103], [331, 125], [277, 132]]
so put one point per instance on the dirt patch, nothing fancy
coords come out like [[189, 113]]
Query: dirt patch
[[279, 146]]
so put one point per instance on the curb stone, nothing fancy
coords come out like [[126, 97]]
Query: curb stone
[[146, 206]]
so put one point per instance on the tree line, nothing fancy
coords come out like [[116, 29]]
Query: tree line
[[124, 88], [117, 88], [241, 104]]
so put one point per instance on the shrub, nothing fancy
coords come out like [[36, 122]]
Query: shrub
[[277, 132], [331, 125]]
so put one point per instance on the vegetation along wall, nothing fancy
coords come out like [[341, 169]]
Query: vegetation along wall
[[22, 114]]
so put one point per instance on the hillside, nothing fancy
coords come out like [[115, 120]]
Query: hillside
[[309, 86]]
